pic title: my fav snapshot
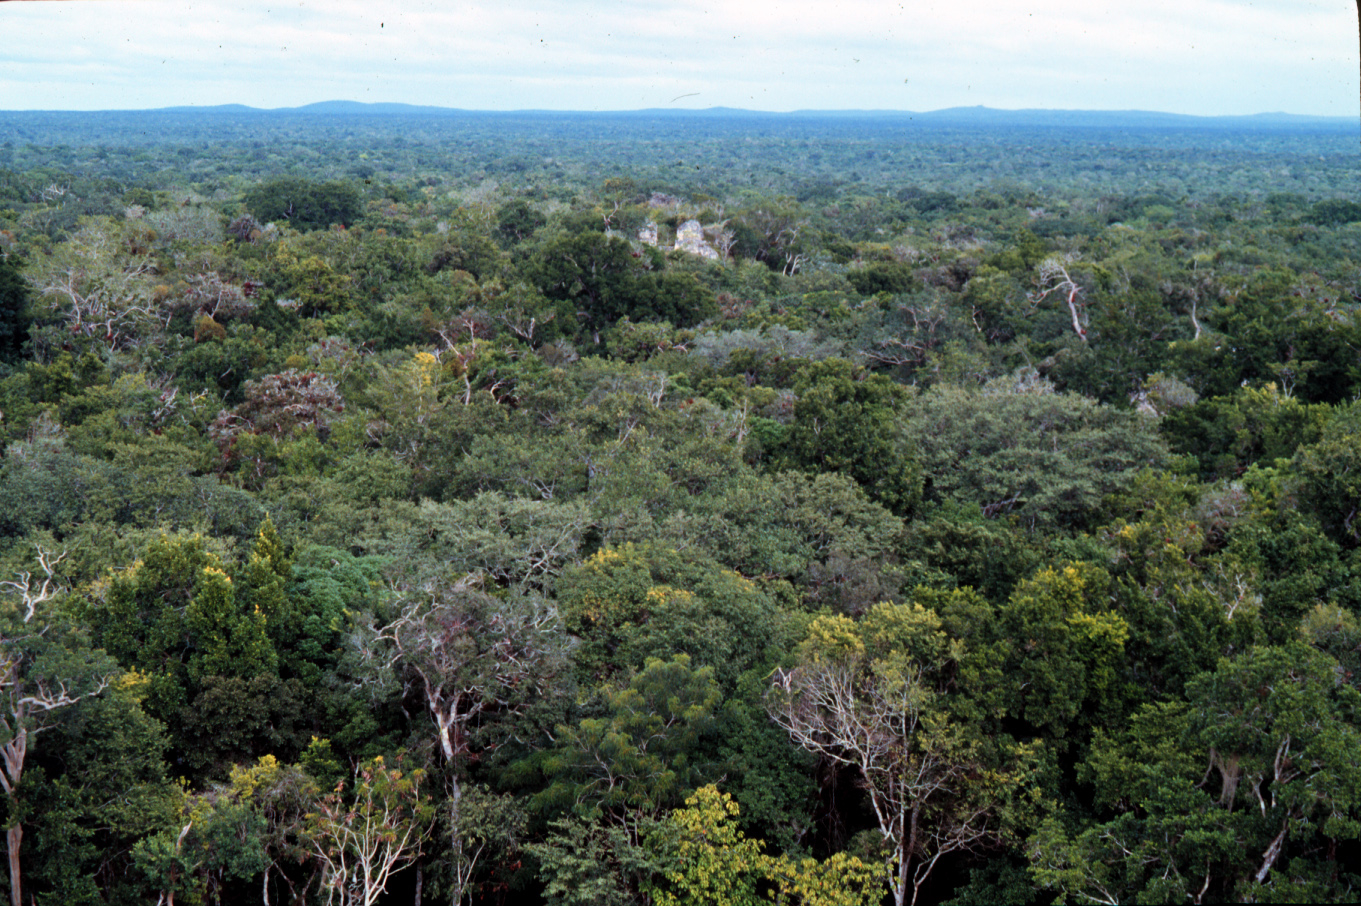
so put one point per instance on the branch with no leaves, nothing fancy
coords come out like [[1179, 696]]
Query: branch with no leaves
[[925, 320], [50, 584], [1054, 277]]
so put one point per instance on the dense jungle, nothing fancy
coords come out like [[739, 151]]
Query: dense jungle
[[403, 505]]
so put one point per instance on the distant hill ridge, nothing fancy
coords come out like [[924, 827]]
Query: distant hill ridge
[[973, 116]]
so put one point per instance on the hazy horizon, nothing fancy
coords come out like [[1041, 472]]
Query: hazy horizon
[[692, 110], [1195, 57]]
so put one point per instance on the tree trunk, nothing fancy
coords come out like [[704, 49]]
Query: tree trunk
[[456, 837], [900, 884], [14, 836], [1273, 852]]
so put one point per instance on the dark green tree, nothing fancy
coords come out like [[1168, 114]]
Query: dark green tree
[[303, 203], [847, 421], [596, 273], [14, 313]]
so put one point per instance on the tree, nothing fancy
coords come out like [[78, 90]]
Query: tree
[[641, 755], [1274, 726], [1328, 477], [283, 796], [470, 657], [773, 231], [1166, 839], [592, 864], [100, 285], [473, 661], [44, 670], [177, 616], [1018, 448], [629, 604], [795, 525], [362, 838], [303, 203], [1053, 277], [14, 313], [848, 422], [218, 839], [1277, 727], [706, 860], [597, 273], [516, 220], [867, 697], [97, 786], [515, 541], [1067, 648], [278, 408], [1229, 434], [482, 823]]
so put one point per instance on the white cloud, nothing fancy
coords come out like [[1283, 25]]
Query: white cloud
[[1199, 56]]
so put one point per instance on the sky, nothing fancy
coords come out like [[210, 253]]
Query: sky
[[1203, 57]]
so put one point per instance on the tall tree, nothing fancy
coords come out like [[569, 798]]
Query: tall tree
[[473, 660], [869, 697], [45, 668], [361, 839]]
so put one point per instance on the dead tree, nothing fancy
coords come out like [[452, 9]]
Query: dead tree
[[1054, 277]]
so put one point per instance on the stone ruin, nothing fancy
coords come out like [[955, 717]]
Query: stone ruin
[[689, 238]]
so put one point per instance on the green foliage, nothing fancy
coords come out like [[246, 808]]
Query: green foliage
[[220, 842], [585, 864], [706, 859], [794, 525], [210, 663], [322, 492], [874, 698], [595, 272], [963, 548], [514, 541], [848, 423], [769, 778], [630, 605], [516, 220], [601, 276], [303, 203], [14, 309], [1297, 566], [1275, 331], [1327, 474], [1278, 716], [1335, 212], [1066, 648], [1183, 615], [231, 639], [1228, 434], [643, 753], [1018, 449], [882, 277]]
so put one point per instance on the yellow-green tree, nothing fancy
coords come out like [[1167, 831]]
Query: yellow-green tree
[[708, 861]]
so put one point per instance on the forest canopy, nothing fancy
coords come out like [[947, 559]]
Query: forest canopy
[[643, 509]]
